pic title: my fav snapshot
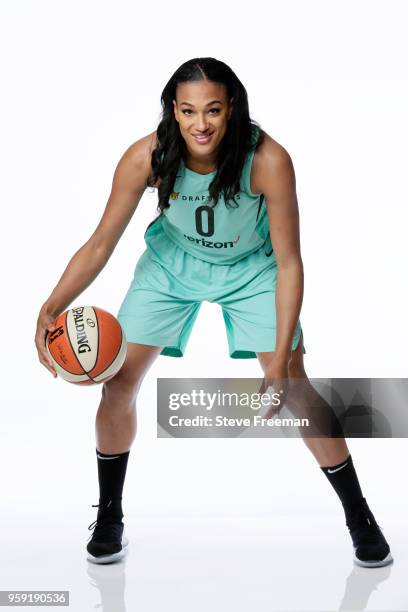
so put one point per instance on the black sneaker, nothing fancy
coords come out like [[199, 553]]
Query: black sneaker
[[371, 549], [108, 541]]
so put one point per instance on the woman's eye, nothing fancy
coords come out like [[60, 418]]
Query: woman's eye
[[187, 110]]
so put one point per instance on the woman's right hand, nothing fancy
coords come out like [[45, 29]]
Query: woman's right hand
[[44, 325]]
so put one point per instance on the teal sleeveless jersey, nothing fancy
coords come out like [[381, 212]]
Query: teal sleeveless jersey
[[221, 235]]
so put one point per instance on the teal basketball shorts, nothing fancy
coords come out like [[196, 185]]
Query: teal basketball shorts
[[169, 286]]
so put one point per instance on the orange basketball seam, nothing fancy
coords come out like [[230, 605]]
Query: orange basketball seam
[[120, 346]]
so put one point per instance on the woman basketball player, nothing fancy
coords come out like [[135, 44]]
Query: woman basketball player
[[226, 195]]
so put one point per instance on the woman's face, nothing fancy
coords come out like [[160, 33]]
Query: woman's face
[[202, 111]]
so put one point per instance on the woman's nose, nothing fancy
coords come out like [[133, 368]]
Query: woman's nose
[[202, 123]]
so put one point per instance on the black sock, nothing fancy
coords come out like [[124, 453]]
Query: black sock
[[344, 481], [111, 475]]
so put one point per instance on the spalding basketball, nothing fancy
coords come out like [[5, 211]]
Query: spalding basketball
[[88, 345]]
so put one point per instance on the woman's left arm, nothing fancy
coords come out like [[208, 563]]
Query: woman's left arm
[[277, 182]]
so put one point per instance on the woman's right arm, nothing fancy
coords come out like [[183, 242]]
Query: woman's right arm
[[128, 185]]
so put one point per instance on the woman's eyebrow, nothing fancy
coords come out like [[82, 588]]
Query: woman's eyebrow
[[213, 102]]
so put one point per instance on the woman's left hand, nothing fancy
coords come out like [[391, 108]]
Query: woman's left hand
[[276, 381]]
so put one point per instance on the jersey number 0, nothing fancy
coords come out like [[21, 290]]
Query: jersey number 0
[[199, 220]]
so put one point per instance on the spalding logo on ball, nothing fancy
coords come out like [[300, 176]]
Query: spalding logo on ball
[[88, 345]]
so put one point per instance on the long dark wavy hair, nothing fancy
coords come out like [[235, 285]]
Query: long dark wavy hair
[[237, 142]]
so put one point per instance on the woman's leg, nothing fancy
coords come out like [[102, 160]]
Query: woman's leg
[[115, 423], [115, 432], [370, 546]]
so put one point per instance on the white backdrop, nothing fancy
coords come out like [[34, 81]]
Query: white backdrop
[[212, 522]]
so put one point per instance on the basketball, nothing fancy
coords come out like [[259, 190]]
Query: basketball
[[88, 345]]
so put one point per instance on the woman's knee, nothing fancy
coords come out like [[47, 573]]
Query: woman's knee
[[120, 391], [123, 388], [126, 383]]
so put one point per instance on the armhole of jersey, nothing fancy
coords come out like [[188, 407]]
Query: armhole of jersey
[[261, 199], [159, 216], [248, 170]]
